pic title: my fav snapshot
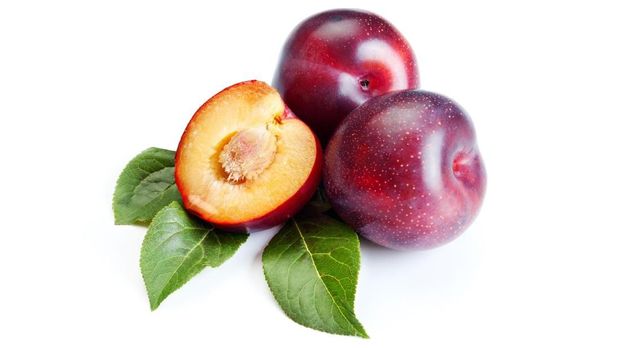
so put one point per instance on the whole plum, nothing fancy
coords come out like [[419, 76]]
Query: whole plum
[[336, 60], [404, 170]]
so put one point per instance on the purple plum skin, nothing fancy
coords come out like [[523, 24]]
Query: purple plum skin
[[336, 60], [404, 170]]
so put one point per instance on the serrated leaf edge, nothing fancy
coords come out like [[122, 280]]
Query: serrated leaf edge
[[123, 220], [361, 334], [161, 299]]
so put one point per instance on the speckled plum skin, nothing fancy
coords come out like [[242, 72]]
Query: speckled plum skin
[[404, 170], [336, 60]]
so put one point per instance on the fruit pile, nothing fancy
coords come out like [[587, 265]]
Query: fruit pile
[[401, 167]]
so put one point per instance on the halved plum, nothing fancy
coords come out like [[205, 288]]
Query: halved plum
[[245, 162]]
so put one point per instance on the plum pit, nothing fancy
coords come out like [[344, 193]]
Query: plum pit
[[248, 153]]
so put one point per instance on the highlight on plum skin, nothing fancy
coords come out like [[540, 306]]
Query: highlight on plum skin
[[336, 60], [405, 171]]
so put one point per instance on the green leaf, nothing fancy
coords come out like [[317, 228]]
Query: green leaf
[[177, 246], [145, 186], [311, 267]]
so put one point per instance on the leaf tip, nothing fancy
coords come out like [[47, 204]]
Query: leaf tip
[[153, 305]]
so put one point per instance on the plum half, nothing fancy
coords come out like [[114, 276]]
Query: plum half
[[405, 171], [245, 162]]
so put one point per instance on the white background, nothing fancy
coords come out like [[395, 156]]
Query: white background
[[84, 86]]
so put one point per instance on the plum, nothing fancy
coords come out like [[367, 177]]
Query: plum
[[245, 162], [336, 60], [405, 171]]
